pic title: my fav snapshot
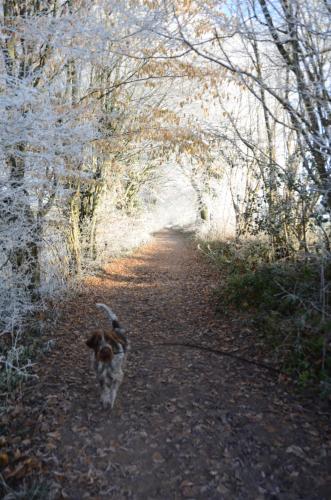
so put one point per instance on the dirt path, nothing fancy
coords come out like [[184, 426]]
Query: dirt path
[[187, 423]]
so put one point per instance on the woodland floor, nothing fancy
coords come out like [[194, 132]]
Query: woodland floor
[[187, 423]]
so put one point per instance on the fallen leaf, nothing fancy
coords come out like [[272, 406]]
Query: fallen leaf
[[157, 457], [3, 440], [4, 459], [54, 435]]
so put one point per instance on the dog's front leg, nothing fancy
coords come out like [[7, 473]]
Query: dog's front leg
[[114, 390], [110, 386], [109, 393], [106, 397], [105, 384]]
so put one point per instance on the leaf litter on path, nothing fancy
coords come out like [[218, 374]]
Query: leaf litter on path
[[187, 423]]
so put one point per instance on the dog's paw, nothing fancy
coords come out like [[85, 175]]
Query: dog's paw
[[106, 406], [106, 401]]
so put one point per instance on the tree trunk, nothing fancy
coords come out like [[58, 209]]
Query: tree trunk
[[74, 237], [16, 213]]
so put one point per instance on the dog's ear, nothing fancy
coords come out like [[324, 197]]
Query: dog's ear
[[105, 354], [93, 341]]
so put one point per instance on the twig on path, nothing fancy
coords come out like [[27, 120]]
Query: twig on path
[[214, 351]]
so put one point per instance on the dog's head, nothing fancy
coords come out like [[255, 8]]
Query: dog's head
[[102, 347]]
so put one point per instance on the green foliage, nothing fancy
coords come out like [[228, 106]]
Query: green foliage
[[286, 303], [234, 256], [274, 286]]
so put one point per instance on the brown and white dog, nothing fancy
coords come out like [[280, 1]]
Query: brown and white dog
[[110, 350]]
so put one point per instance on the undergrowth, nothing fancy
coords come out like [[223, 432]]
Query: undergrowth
[[16, 363], [35, 491], [288, 303]]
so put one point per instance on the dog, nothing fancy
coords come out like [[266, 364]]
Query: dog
[[110, 351]]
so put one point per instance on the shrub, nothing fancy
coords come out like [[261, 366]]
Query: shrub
[[288, 303]]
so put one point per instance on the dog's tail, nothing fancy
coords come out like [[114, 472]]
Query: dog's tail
[[111, 314], [114, 321]]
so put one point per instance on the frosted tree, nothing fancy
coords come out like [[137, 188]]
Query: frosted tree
[[80, 118], [279, 52]]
